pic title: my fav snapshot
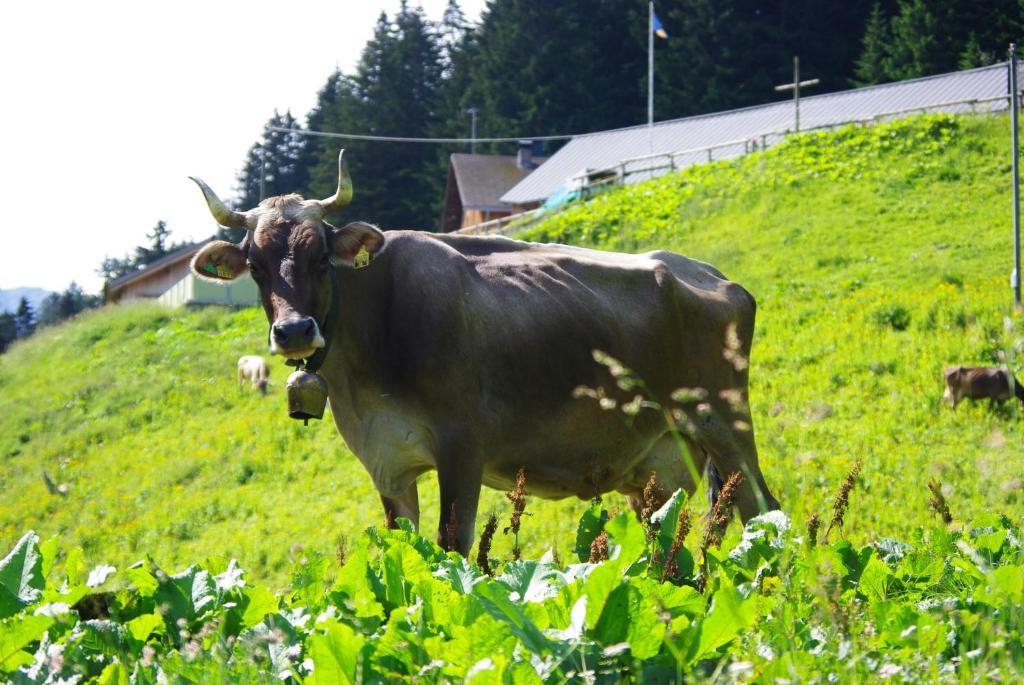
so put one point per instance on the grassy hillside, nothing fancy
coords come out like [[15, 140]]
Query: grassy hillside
[[877, 257], [137, 411]]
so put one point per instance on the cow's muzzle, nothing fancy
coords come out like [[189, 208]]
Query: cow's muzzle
[[295, 338]]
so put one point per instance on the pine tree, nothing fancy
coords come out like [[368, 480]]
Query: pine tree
[[279, 159], [393, 92], [8, 330], [25, 319], [871, 63], [918, 47], [157, 248], [973, 56], [49, 310]]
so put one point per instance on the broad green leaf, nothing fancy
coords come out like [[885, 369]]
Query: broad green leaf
[[591, 524], [854, 561], [48, 550], [74, 566], [597, 588], [646, 629], [729, 616], [9, 603], [629, 541], [21, 571], [115, 674], [141, 627], [876, 579], [360, 585], [258, 602], [144, 581], [103, 636], [186, 594], [667, 520], [18, 633], [401, 565], [628, 618], [531, 580], [1004, 586], [613, 625], [675, 599], [486, 638], [461, 574], [496, 602], [335, 654]]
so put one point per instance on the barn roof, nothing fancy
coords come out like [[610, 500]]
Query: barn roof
[[178, 255], [482, 179], [608, 148]]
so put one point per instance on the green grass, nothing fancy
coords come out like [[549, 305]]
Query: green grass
[[137, 410], [877, 256]]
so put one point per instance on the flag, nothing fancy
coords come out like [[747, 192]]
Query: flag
[[659, 30]]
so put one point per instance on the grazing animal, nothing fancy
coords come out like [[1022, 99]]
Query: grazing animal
[[253, 368], [475, 356], [979, 382]]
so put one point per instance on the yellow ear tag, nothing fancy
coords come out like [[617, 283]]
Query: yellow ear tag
[[362, 258]]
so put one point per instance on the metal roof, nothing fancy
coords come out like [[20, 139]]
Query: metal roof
[[482, 179], [184, 252], [945, 92]]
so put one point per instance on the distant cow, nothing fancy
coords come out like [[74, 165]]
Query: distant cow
[[979, 382], [253, 368], [465, 355]]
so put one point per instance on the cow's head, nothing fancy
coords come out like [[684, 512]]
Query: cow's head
[[288, 248]]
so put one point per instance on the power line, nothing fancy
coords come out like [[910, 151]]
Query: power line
[[398, 139]]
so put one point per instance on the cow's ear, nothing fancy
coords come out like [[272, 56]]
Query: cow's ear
[[355, 243], [220, 261]]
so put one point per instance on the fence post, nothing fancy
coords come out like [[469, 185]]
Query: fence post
[[1015, 277]]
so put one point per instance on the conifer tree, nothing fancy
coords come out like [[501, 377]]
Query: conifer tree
[[871, 63], [916, 48], [393, 93], [280, 158], [25, 319], [8, 330]]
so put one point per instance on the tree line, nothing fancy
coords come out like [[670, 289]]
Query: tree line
[[57, 307], [532, 67], [54, 308]]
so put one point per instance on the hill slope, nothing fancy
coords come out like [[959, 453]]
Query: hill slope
[[877, 257]]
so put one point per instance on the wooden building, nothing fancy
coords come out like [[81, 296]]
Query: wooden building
[[477, 182], [170, 281]]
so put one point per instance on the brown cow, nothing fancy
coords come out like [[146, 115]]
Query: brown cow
[[979, 382], [253, 368], [466, 355]]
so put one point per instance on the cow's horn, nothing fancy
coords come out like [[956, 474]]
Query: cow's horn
[[344, 194], [223, 215]]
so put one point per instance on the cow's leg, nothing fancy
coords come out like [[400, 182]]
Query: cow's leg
[[460, 485], [728, 435], [406, 505]]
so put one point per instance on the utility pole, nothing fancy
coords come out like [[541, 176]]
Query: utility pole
[[1014, 106], [795, 86], [472, 111], [650, 76], [263, 164]]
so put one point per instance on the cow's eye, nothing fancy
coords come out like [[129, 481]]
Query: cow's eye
[[256, 272]]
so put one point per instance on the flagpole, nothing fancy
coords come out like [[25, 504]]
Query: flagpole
[[650, 75]]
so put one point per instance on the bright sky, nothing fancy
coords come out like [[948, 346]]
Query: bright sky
[[110, 105]]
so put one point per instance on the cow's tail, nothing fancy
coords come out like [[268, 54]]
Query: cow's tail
[[1017, 389], [715, 482]]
